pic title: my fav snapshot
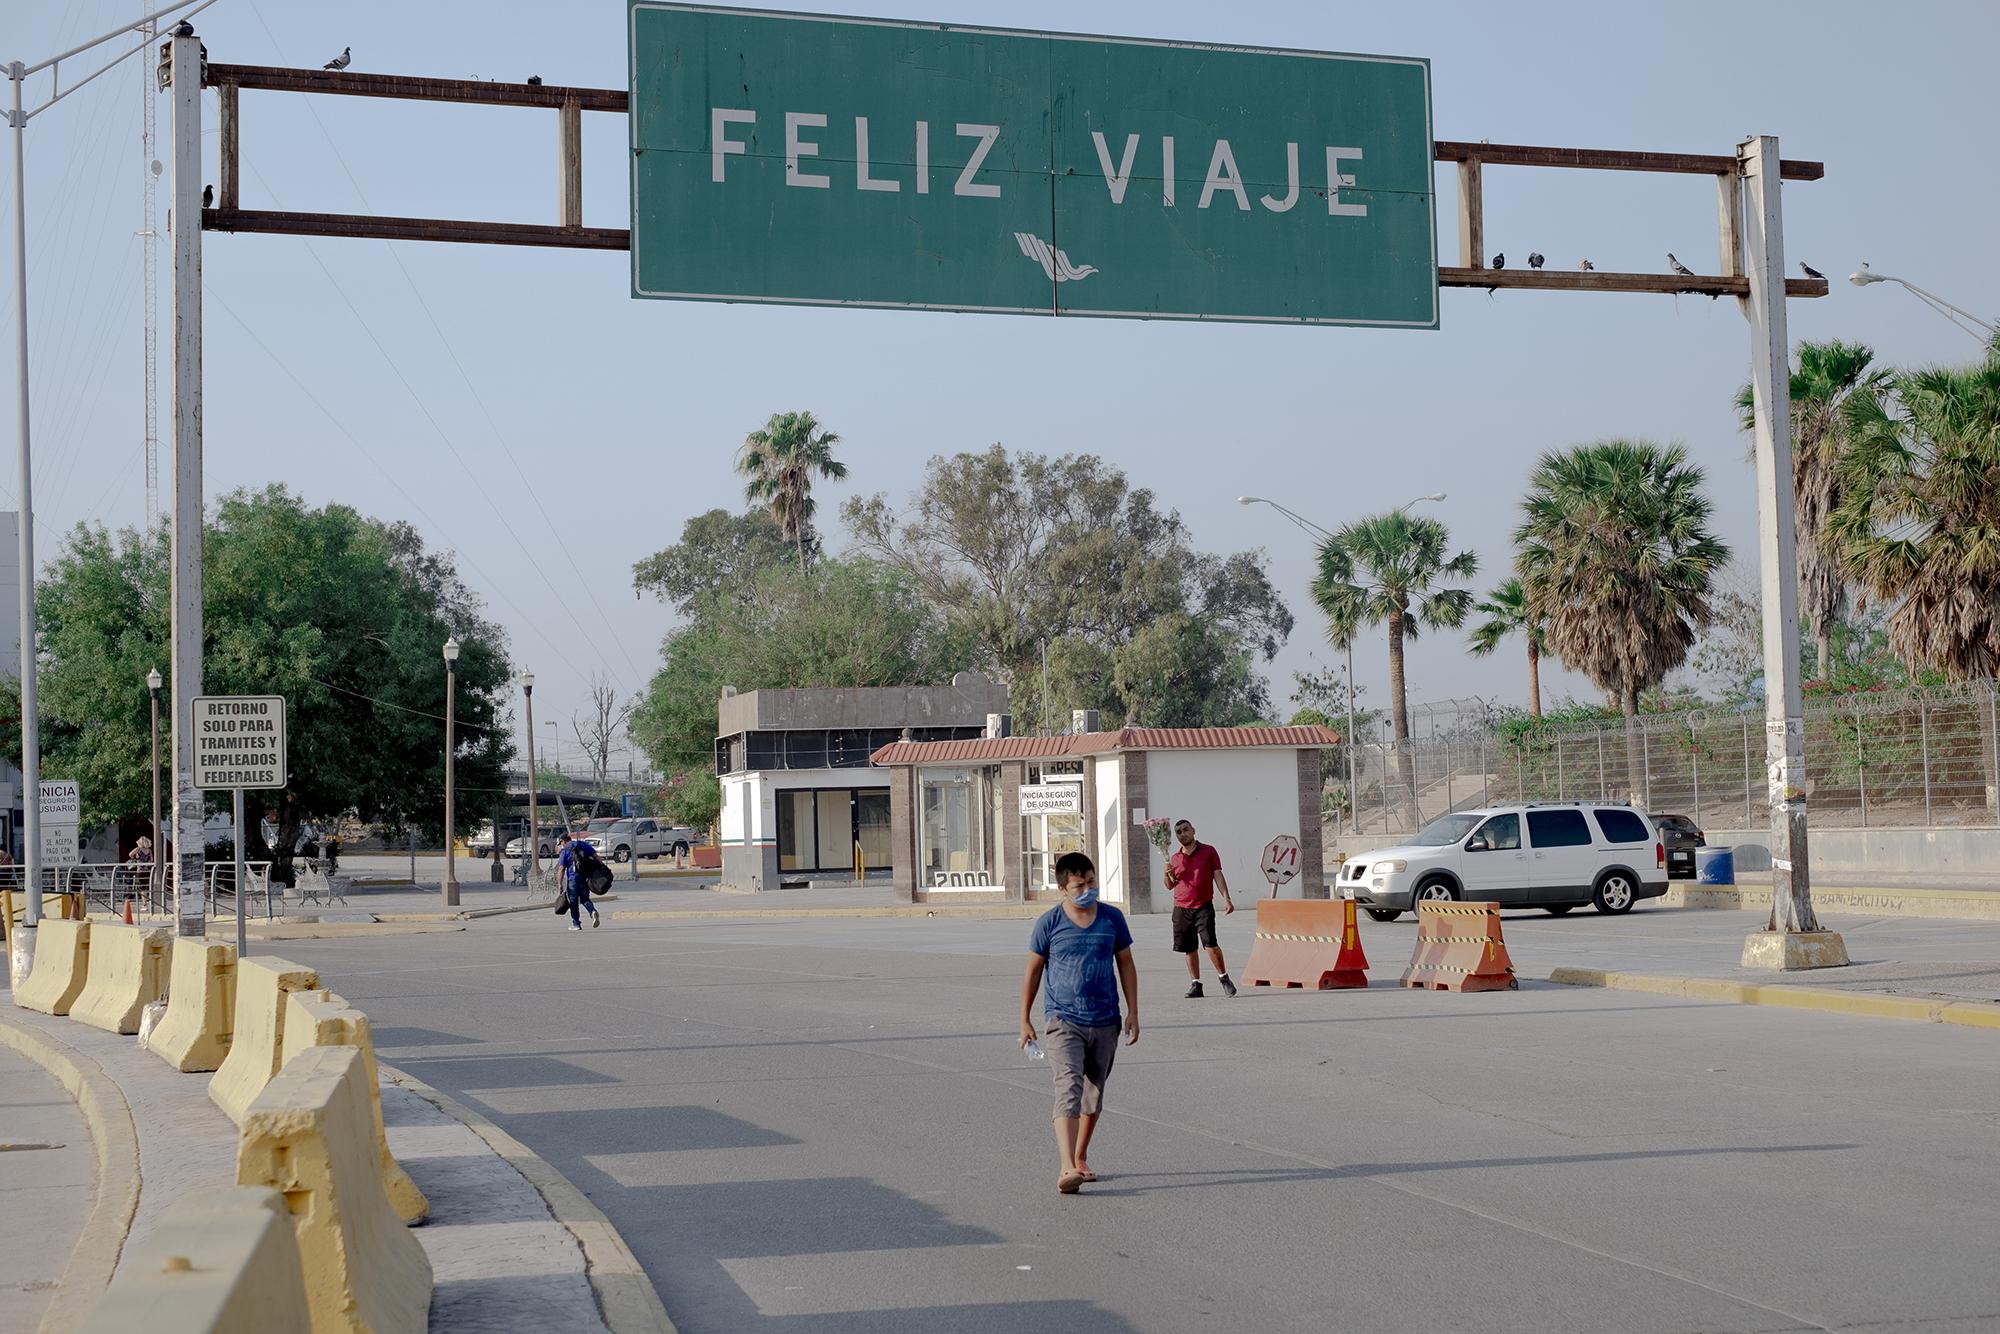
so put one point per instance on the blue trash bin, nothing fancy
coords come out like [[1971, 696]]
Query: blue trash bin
[[1715, 866]]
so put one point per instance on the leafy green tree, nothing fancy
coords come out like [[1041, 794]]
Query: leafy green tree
[[1506, 612], [1824, 380], [1918, 523], [718, 552], [1393, 570], [846, 622], [781, 462], [1619, 565], [1034, 553], [343, 615]]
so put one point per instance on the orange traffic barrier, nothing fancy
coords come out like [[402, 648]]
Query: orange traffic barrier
[[1459, 948], [1312, 943]]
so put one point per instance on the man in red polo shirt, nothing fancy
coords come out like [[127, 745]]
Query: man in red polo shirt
[[1194, 874]]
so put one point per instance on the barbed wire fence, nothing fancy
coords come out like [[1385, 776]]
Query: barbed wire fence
[[1878, 759]]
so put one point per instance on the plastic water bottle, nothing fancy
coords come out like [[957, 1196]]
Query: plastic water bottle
[[1034, 1050]]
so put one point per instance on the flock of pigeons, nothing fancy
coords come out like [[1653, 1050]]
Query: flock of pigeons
[[1536, 260], [346, 58]]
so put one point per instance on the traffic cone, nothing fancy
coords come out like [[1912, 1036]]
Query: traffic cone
[[128, 910], [1350, 967]]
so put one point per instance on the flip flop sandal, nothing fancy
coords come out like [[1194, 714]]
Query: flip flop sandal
[[1070, 1182], [1087, 1175]]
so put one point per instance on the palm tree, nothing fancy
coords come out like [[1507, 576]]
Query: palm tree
[[1506, 609], [1827, 376], [1618, 564], [1921, 511], [1389, 569], [781, 462]]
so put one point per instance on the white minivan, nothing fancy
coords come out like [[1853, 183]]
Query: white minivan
[[1554, 855]]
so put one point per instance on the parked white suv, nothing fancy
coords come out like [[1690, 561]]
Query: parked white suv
[[1554, 855]]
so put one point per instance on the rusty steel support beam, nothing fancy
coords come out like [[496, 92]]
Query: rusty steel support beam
[[278, 223], [1611, 159], [1666, 284], [348, 83]]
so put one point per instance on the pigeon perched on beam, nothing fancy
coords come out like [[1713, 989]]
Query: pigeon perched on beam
[[534, 80], [1535, 259], [1586, 266], [1679, 267], [341, 61], [1809, 271], [208, 196], [1499, 262]]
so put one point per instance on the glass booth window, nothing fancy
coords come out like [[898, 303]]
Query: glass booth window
[[1045, 837], [958, 814]]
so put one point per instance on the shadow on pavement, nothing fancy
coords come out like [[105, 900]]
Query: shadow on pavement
[[659, 1129], [1115, 1184]]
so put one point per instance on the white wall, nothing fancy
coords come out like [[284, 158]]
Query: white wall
[[1239, 800], [1111, 817]]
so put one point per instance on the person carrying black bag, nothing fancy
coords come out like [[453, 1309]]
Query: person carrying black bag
[[580, 866]]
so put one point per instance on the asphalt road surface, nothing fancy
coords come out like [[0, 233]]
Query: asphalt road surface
[[826, 1126]]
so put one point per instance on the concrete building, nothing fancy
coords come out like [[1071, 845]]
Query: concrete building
[[798, 794], [984, 820]]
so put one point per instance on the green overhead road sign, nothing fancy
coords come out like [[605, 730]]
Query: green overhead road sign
[[812, 160]]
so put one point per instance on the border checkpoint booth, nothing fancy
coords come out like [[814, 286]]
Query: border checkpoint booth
[[983, 820]]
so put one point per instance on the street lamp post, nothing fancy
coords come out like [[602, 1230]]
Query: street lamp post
[[1986, 330], [159, 849], [533, 835], [450, 747], [1314, 530]]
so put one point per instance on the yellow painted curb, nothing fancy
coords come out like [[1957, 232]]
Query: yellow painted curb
[[95, 1257], [1871, 1005], [625, 1295]]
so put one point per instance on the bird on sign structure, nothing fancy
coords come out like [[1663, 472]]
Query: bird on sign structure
[[341, 61], [1678, 267], [1499, 261], [534, 80], [208, 196], [1535, 259], [1809, 271], [1585, 265], [184, 29]]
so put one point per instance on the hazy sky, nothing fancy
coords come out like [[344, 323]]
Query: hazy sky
[[526, 413]]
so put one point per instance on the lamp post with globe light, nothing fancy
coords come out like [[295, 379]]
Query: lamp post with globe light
[[153, 683]]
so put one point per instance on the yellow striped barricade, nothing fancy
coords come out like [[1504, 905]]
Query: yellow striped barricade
[[1310, 943], [1459, 948]]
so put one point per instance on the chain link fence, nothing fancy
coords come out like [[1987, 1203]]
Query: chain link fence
[[1882, 759]]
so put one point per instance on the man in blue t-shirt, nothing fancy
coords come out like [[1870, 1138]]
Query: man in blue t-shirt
[[1083, 949]]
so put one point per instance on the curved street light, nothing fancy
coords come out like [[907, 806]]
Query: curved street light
[[1864, 276], [1317, 531]]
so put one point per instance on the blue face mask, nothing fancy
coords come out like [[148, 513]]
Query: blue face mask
[[1083, 898]]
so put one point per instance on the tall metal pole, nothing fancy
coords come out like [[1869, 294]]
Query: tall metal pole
[[534, 831], [1350, 721], [1771, 394], [450, 772], [242, 880], [159, 845], [31, 739], [185, 222]]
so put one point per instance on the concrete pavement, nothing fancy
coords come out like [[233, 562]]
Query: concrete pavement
[[48, 1181], [826, 1125]]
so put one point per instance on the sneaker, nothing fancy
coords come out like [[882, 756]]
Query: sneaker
[[1228, 987], [1193, 991], [575, 927], [597, 920]]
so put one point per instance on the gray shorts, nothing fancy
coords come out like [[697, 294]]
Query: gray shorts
[[1081, 1059]]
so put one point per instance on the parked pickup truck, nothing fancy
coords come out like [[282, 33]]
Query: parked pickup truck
[[644, 837]]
